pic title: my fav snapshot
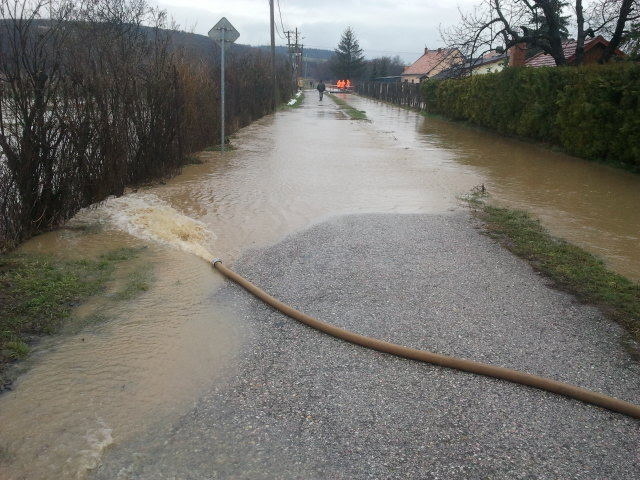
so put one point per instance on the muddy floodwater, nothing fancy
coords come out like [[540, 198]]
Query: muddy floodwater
[[149, 357], [590, 204]]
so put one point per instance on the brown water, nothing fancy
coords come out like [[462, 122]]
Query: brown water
[[589, 204], [146, 364]]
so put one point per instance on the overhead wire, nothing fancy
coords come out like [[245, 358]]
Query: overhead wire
[[275, 24], [280, 15]]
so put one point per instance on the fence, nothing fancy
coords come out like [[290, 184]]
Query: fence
[[404, 94]]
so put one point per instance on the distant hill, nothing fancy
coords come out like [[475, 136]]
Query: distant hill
[[318, 53], [199, 45]]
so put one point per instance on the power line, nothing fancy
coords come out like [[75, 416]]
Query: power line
[[280, 15], [279, 32], [285, 32]]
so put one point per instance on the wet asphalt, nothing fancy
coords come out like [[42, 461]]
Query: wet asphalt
[[297, 404]]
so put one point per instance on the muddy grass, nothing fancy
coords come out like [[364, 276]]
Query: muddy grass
[[348, 109], [569, 267], [39, 292]]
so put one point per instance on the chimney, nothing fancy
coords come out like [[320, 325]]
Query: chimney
[[439, 50], [517, 54], [426, 50]]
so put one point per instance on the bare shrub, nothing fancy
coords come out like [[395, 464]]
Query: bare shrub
[[95, 97]]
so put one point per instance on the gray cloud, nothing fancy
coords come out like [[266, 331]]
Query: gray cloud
[[383, 27]]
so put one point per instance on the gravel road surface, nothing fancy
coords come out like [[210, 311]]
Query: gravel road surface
[[299, 404]]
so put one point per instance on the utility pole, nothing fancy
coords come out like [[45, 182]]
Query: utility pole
[[222, 82], [295, 54], [222, 33], [273, 56], [301, 61], [289, 45]]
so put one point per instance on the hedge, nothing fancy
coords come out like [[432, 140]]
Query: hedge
[[591, 111], [101, 103]]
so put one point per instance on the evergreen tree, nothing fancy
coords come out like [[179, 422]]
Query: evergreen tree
[[348, 61], [540, 24]]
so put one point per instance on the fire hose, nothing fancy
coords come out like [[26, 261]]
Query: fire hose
[[462, 364]]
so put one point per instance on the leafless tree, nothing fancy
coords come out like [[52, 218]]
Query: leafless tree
[[618, 20], [95, 97], [31, 104], [383, 66], [505, 23]]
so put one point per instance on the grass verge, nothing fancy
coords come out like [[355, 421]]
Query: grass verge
[[38, 292], [570, 267], [348, 109]]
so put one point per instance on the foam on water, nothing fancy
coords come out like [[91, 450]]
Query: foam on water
[[97, 441], [147, 217]]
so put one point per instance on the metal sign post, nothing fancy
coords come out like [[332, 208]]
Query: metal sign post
[[222, 33], [222, 49]]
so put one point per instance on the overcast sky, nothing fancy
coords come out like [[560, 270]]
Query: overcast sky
[[383, 27]]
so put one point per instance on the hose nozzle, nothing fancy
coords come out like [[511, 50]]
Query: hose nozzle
[[215, 260]]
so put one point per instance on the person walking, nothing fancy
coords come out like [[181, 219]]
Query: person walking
[[321, 87]]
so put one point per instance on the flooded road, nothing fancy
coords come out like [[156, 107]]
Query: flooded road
[[146, 364], [147, 361], [589, 204]]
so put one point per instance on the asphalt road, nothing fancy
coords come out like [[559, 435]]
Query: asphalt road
[[298, 404]]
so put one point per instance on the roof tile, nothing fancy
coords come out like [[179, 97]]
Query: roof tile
[[433, 61], [569, 49]]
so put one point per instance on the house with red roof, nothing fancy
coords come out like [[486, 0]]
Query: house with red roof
[[431, 63], [593, 53]]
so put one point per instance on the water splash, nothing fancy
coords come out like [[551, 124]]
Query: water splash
[[97, 440], [147, 217]]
